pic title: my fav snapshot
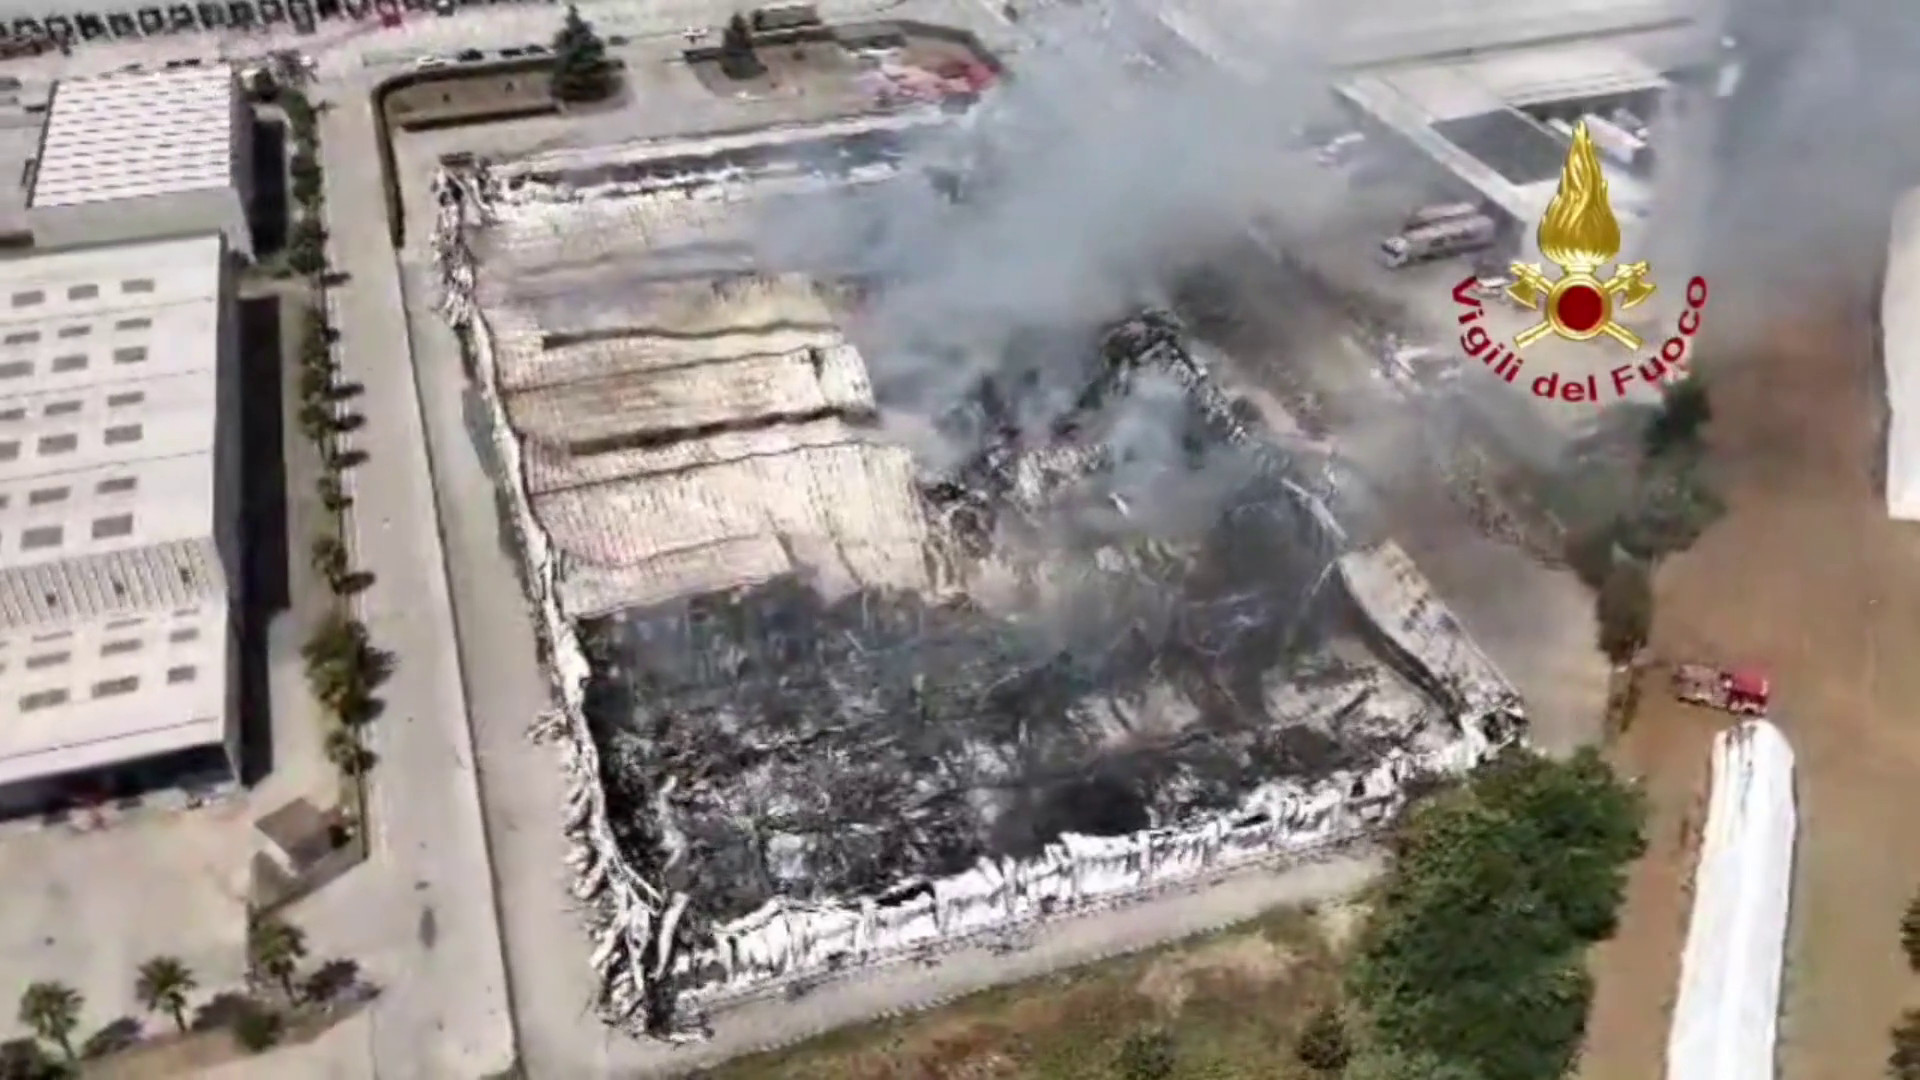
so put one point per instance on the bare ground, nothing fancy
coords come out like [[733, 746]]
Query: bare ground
[[1807, 577], [1231, 1001]]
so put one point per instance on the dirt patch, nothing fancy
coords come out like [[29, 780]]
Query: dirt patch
[[1806, 577], [1231, 1001], [1252, 958]]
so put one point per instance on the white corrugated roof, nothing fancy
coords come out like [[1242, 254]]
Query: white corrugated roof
[[135, 134]]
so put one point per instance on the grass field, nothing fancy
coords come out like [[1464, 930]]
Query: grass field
[[1232, 1002]]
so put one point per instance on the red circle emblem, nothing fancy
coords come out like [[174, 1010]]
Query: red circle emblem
[[1580, 308]]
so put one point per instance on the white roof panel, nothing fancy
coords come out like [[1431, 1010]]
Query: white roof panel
[[136, 134]]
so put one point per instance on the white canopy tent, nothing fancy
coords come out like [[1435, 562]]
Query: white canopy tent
[[1726, 1020], [1900, 351]]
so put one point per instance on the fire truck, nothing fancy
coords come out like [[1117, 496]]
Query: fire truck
[[1744, 692]]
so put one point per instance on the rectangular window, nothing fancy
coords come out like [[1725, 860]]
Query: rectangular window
[[131, 397], [28, 298], [13, 369], [83, 292], [131, 354], [121, 647], [138, 322], [118, 485], [9, 451], [15, 413], [184, 634], [47, 660], [57, 444], [75, 331], [176, 675], [61, 408], [122, 624], [43, 699], [115, 687], [70, 362], [107, 528], [137, 285], [41, 536], [123, 433], [47, 495], [23, 337]]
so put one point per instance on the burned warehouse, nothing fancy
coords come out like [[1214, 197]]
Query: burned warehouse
[[830, 696]]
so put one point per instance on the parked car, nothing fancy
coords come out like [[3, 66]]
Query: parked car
[[471, 56]]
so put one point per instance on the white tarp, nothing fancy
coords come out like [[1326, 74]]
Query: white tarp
[[1727, 1015], [1900, 352]]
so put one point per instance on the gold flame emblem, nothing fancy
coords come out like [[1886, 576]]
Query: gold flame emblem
[[1579, 234]]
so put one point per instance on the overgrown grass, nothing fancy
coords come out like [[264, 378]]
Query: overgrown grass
[[1232, 1001]]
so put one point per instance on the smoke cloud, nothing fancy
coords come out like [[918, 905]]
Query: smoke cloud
[[1813, 147], [1091, 177]]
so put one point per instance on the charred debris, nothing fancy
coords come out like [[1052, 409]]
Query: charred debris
[[772, 741]]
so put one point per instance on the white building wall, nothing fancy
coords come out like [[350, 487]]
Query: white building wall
[[119, 506], [178, 213]]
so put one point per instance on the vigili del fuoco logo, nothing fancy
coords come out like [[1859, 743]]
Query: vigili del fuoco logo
[[1580, 236]]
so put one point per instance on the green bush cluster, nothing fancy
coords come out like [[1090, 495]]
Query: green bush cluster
[[1472, 963]]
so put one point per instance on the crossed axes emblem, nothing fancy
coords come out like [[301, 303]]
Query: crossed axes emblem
[[1579, 306]]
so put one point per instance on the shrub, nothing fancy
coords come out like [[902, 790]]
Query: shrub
[[1323, 1044], [1146, 1055], [1625, 611], [258, 1027]]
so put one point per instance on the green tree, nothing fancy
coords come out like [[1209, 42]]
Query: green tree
[[1672, 506], [1910, 933], [275, 948], [162, 987], [1323, 1045], [329, 558], [581, 70], [1147, 1054], [737, 58], [24, 1059], [332, 494], [1625, 611], [1474, 951], [51, 1010], [258, 1027], [347, 753], [1397, 1065], [1685, 409], [316, 421], [300, 116], [307, 247], [1903, 1063], [306, 191]]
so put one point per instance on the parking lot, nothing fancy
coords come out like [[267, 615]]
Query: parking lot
[[87, 908]]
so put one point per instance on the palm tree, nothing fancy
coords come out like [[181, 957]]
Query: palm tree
[[330, 560], [316, 421], [348, 754], [275, 948], [332, 495], [163, 986], [51, 1010]]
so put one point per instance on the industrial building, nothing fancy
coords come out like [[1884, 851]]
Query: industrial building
[[143, 155], [119, 519]]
